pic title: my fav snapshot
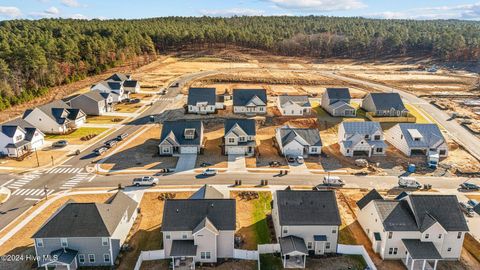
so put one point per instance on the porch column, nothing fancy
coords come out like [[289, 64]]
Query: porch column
[[284, 258], [193, 262], [406, 259], [423, 266], [173, 263], [435, 265], [304, 260], [46, 267], [413, 263]]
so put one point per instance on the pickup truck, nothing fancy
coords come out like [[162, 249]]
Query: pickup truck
[[409, 182], [145, 181]]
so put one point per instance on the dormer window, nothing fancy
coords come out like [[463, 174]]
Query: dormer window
[[367, 137], [189, 133]]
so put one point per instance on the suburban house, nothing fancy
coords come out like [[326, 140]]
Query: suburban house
[[116, 89], [85, 234], [198, 230], [298, 141], [55, 117], [93, 102], [361, 139], [202, 100], [418, 229], [306, 222], [336, 101], [418, 139], [18, 138], [250, 101], [129, 85], [239, 137], [384, 105], [294, 105], [181, 137]]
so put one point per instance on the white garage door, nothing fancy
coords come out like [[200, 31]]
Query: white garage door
[[188, 150], [235, 150], [294, 152]]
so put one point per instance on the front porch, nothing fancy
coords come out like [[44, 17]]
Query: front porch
[[294, 251], [183, 253], [62, 259], [420, 255], [183, 263], [297, 261]]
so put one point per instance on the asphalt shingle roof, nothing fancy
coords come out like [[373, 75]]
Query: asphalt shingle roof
[[119, 77], [370, 196], [299, 100], [59, 111], [421, 250], [387, 101], [130, 83], [310, 135], [241, 97], [335, 94], [182, 248], [363, 128], [247, 125], [207, 192], [178, 129], [432, 136], [291, 244], [196, 95]]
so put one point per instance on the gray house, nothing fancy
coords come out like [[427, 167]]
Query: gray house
[[85, 234], [198, 230], [298, 141], [129, 85], [181, 137], [93, 102], [201, 100], [384, 105], [361, 139], [305, 222], [239, 138], [294, 105], [250, 101], [336, 101]]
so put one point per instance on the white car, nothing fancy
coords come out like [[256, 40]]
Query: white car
[[209, 172], [408, 182], [145, 181], [300, 160]]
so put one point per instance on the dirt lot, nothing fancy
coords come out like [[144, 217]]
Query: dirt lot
[[213, 152], [44, 158]]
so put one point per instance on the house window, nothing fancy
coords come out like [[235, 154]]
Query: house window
[[459, 235], [39, 242], [184, 236], [390, 235], [242, 139], [309, 245], [367, 136], [63, 242], [261, 109], [91, 258], [449, 249], [334, 231], [231, 140], [106, 257], [427, 236], [379, 150], [348, 151], [285, 230], [205, 255], [166, 150], [442, 152], [167, 236], [390, 251], [313, 150], [327, 245], [81, 258], [377, 137], [401, 137]]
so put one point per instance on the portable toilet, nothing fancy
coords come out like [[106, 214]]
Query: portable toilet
[[411, 168]]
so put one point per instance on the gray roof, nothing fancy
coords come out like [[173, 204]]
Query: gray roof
[[370, 196], [205, 223], [310, 135], [93, 95], [183, 248], [247, 125], [387, 101], [396, 215], [130, 83], [112, 85], [17, 145], [432, 136], [301, 207], [421, 250], [207, 192], [58, 111], [476, 208], [291, 244], [302, 101], [363, 128], [196, 95], [64, 255], [241, 97], [177, 128], [187, 214], [88, 219], [335, 94], [119, 77]]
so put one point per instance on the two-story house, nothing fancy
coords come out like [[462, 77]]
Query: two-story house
[[93, 102], [85, 234], [336, 101], [181, 137], [129, 84], [294, 105], [198, 230], [417, 139], [201, 100], [239, 138], [418, 229], [114, 88], [298, 141], [384, 105], [55, 117], [361, 139], [250, 101], [18, 138], [306, 222]]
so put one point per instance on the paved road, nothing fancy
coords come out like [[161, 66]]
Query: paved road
[[456, 131]]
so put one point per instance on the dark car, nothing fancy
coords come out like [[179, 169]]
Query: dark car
[[135, 100], [61, 143], [466, 209], [99, 151], [469, 186], [291, 159], [111, 143], [205, 164], [122, 136], [274, 164]]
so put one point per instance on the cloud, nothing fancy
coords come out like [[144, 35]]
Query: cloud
[[52, 11], [232, 12], [318, 5], [10, 12], [460, 12], [78, 17], [70, 3]]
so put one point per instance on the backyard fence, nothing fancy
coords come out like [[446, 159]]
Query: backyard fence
[[268, 248], [242, 254], [357, 250], [150, 255], [410, 118]]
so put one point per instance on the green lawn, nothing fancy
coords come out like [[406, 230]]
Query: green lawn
[[81, 132], [421, 119], [104, 119], [270, 262], [325, 116], [262, 208]]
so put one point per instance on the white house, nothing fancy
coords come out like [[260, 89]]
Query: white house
[[181, 137], [305, 221], [250, 101], [417, 139], [129, 85], [294, 105], [18, 137], [361, 139], [298, 141], [418, 229], [239, 137], [202, 100], [336, 101], [116, 89]]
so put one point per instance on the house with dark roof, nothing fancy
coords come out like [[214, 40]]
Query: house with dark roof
[[93, 102], [129, 85], [361, 139], [56, 117], [207, 192], [240, 137], [198, 230], [297, 105], [85, 234], [418, 139], [114, 88], [202, 100], [181, 137], [305, 222], [250, 101], [419, 229], [384, 105], [18, 138], [336, 101], [298, 141]]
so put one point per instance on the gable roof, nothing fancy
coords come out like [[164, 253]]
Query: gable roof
[[335, 94], [291, 244], [241, 97], [10, 130], [370, 196], [130, 83], [387, 101], [352, 128], [207, 192], [205, 223], [119, 77], [301, 101], [59, 111], [431, 135], [196, 95], [94, 95], [247, 125], [26, 127], [309, 135], [174, 131], [88, 219], [187, 214], [301, 207], [112, 85]]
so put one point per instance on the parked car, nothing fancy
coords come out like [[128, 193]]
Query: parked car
[[99, 151], [274, 164], [408, 182], [111, 143], [61, 143], [300, 160], [163, 92], [122, 136], [333, 181], [205, 164], [469, 186], [466, 209], [472, 202], [174, 85], [126, 100], [209, 172], [290, 159], [145, 181], [134, 100]]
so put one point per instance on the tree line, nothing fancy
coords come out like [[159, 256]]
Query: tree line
[[36, 55]]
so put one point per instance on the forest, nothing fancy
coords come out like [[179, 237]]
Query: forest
[[39, 54]]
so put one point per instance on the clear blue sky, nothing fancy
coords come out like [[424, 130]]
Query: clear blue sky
[[106, 9]]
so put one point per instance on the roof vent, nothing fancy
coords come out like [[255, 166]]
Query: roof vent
[[211, 205], [177, 210]]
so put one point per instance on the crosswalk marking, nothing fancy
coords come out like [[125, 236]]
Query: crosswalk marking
[[75, 180], [59, 170], [25, 179], [33, 192], [166, 99]]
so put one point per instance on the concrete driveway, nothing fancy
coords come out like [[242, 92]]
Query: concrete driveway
[[296, 167], [236, 163], [186, 162]]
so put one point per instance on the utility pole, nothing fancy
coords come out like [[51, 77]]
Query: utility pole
[[45, 190], [52, 160], [36, 155]]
